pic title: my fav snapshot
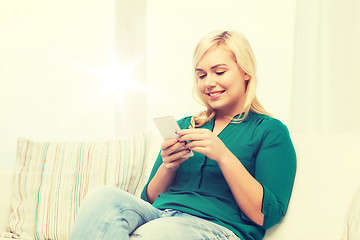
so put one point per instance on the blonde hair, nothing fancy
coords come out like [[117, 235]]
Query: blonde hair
[[244, 57]]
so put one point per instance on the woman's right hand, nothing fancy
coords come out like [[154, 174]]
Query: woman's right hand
[[172, 160]]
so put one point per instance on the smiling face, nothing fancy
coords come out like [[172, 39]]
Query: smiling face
[[221, 82]]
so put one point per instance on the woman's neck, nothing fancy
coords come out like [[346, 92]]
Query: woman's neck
[[226, 117], [220, 122]]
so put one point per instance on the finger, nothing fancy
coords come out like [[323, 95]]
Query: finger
[[170, 150], [183, 159], [175, 164], [175, 156], [178, 155], [201, 150], [196, 143], [192, 137], [191, 131], [168, 143]]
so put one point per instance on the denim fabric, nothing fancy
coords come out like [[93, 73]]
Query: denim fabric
[[113, 214]]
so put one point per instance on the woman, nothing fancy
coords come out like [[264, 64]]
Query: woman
[[237, 184]]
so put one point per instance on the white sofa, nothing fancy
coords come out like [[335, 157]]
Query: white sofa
[[326, 179]]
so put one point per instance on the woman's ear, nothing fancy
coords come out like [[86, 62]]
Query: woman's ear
[[247, 77]]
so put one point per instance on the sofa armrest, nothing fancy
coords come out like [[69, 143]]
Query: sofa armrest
[[6, 180]]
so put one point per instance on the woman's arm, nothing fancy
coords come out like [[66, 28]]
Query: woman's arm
[[160, 182], [263, 198], [275, 170], [165, 174], [247, 191]]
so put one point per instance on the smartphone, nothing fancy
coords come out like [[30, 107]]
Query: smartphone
[[168, 126]]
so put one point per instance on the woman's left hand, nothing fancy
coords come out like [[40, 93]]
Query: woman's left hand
[[203, 141]]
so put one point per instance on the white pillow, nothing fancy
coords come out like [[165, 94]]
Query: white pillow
[[52, 178]]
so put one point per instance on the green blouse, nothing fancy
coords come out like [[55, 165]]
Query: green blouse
[[263, 145]]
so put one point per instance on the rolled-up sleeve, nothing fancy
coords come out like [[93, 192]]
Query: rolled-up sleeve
[[275, 170]]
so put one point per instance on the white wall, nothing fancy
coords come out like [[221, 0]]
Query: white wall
[[326, 67], [61, 80], [174, 28], [53, 55]]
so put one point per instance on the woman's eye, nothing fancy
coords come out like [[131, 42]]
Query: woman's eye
[[202, 76], [220, 73]]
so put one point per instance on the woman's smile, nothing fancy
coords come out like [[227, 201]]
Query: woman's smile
[[215, 94]]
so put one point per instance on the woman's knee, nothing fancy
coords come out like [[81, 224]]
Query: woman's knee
[[105, 200], [106, 196]]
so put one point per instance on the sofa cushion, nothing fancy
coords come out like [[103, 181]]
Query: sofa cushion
[[52, 178]]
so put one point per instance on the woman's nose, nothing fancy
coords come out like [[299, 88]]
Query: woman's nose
[[210, 81]]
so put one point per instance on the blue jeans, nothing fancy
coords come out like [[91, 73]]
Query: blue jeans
[[111, 213]]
